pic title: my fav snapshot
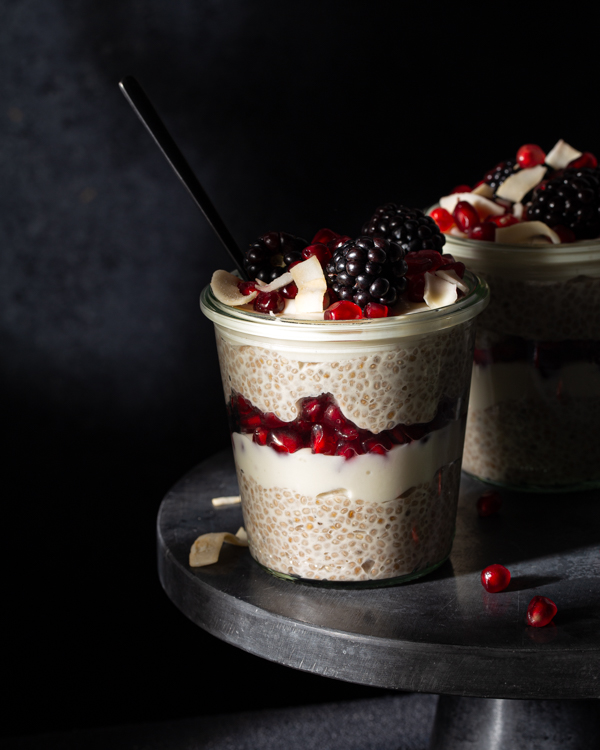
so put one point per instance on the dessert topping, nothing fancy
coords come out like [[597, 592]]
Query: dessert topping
[[271, 255]]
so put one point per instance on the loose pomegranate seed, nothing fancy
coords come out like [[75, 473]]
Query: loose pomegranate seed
[[505, 220], [489, 503], [267, 302], [375, 310], [495, 578], [289, 291], [284, 441], [565, 234], [586, 159], [343, 310], [323, 440], [540, 611], [530, 155], [443, 219], [260, 436], [246, 287], [461, 189], [243, 406], [377, 444], [249, 422], [485, 232], [465, 216], [320, 251], [325, 236]]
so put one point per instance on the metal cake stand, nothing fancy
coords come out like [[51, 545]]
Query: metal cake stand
[[502, 684]]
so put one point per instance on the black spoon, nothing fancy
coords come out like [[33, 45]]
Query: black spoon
[[143, 108]]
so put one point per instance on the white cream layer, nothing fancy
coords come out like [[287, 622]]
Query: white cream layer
[[508, 381], [370, 477]]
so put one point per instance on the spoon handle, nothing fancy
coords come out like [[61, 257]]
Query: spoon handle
[[143, 108]]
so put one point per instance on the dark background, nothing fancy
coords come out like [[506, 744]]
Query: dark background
[[295, 116]]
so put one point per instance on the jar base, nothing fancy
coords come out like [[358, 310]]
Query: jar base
[[357, 584], [592, 484]]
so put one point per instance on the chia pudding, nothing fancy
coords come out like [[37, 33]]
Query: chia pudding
[[534, 412], [348, 433]]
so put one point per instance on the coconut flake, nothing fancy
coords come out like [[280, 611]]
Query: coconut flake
[[311, 284], [561, 155], [517, 185], [438, 292], [278, 283], [451, 276], [224, 286], [527, 232], [483, 206]]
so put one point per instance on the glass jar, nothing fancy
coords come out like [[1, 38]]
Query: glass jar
[[534, 413], [348, 437]]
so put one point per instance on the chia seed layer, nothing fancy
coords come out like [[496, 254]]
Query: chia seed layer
[[329, 537]]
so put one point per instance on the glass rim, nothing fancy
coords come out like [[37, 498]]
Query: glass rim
[[400, 326]]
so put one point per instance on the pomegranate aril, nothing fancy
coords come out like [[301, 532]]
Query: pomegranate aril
[[586, 159], [320, 251], [449, 264], [489, 503], [398, 435], [540, 611], [485, 232], [504, 220], [242, 405], [324, 236], [377, 444], [443, 219], [461, 189], [289, 291], [284, 441], [465, 216], [343, 310], [530, 155], [565, 234], [323, 440], [416, 431], [249, 422], [246, 287], [260, 436], [334, 417], [422, 261], [495, 578], [375, 310], [312, 409], [268, 302], [349, 449], [272, 422], [415, 287]]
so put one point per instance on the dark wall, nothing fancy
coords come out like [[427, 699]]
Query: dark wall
[[294, 116]]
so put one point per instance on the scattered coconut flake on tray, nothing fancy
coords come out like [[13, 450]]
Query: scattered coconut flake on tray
[[219, 502], [205, 550]]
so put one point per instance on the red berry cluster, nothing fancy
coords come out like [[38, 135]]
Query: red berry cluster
[[323, 428]]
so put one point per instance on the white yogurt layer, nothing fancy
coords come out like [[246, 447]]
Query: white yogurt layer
[[508, 381], [371, 477]]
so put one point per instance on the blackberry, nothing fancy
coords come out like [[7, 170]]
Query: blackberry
[[409, 227], [368, 269], [496, 176], [271, 255], [571, 198]]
